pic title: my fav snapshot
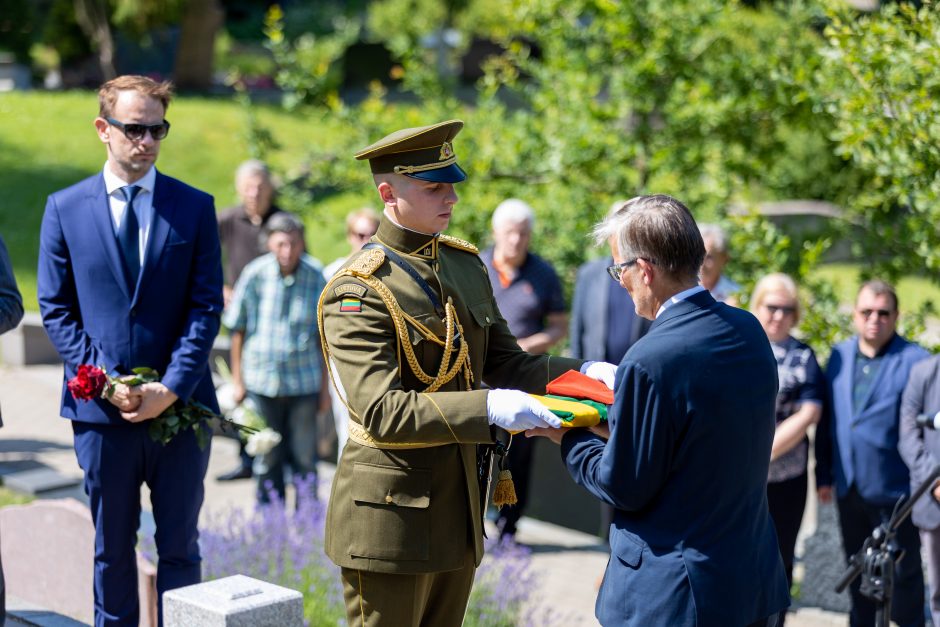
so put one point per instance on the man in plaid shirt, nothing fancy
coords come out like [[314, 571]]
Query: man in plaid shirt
[[276, 356]]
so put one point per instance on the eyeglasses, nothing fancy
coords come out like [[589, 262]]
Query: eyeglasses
[[883, 314], [361, 235], [786, 310], [615, 270], [136, 132]]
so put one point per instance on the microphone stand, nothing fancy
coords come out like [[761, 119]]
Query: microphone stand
[[879, 554]]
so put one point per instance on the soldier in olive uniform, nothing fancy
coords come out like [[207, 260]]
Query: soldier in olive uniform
[[410, 327]]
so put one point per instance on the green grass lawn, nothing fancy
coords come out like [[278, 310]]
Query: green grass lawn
[[48, 142]]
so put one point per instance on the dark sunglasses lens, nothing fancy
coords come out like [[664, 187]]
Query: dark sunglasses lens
[[135, 132], [159, 131]]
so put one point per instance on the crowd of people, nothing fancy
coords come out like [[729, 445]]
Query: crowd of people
[[426, 349]]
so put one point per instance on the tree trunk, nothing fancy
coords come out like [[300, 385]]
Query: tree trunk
[[92, 17], [194, 54]]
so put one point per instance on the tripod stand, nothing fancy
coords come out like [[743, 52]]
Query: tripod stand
[[879, 554]]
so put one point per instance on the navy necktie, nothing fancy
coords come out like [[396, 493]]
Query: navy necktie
[[129, 237]]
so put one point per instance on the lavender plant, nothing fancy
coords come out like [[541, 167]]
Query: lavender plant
[[283, 546]]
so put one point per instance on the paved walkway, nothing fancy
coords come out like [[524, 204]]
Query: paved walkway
[[568, 562]]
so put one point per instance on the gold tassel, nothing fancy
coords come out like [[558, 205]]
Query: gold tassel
[[505, 491]]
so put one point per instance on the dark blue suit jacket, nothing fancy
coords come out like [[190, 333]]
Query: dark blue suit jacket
[[168, 322], [685, 468], [861, 447]]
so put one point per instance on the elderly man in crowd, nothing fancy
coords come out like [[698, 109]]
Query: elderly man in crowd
[[604, 324], [722, 289], [276, 351], [857, 445], [241, 231], [690, 434], [530, 298]]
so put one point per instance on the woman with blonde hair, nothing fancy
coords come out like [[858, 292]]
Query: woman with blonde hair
[[776, 305]]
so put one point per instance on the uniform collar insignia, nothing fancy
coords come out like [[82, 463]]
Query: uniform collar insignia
[[407, 242], [428, 251]]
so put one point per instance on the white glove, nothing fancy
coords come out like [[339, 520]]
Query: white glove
[[517, 411], [600, 371]]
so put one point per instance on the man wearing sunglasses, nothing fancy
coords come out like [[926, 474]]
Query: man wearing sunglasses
[[130, 275], [857, 445]]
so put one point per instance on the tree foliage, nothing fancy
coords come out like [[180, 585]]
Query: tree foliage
[[711, 101], [880, 83]]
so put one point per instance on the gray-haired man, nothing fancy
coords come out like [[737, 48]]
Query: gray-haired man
[[241, 232], [276, 357]]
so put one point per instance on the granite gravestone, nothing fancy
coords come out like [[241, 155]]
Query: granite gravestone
[[48, 559]]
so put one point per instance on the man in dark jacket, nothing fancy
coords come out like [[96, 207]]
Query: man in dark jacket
[[690, 432]]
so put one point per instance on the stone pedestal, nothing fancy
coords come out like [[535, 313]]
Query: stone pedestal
[[28, 343], [824, 563], [236, 601]]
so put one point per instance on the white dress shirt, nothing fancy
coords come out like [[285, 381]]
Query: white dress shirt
[[143, 204]]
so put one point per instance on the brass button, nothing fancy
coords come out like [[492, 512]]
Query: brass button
[[389, 499]]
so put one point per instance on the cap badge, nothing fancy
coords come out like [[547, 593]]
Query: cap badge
[[446, 151]]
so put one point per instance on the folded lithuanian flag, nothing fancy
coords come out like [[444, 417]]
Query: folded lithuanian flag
[[572, 412]]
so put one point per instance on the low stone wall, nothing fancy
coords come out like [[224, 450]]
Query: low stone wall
[[28, 344]]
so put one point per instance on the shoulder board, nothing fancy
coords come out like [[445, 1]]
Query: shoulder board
[[459, 244], [367, 263]]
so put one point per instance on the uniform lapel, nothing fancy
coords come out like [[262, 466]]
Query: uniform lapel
[[163, 208], [101, 217]]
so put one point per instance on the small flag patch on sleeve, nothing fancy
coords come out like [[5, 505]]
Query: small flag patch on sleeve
[[351, 305]]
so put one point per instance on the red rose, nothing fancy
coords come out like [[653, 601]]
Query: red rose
[[89, 383]]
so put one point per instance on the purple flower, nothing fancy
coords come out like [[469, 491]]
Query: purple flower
[[285, 547]]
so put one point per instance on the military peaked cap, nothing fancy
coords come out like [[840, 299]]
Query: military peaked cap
[[423, 153]]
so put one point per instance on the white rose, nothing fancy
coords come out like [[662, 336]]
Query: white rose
[[262, 442]]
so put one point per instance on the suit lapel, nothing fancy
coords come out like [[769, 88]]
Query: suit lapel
[[101, 217], [163, 209], [844, 387]]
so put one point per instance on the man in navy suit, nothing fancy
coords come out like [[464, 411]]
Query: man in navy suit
[[690, 431], [857, 445], [604, 325], [130, 275]]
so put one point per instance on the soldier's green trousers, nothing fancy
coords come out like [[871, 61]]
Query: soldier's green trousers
[[424, 600]]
